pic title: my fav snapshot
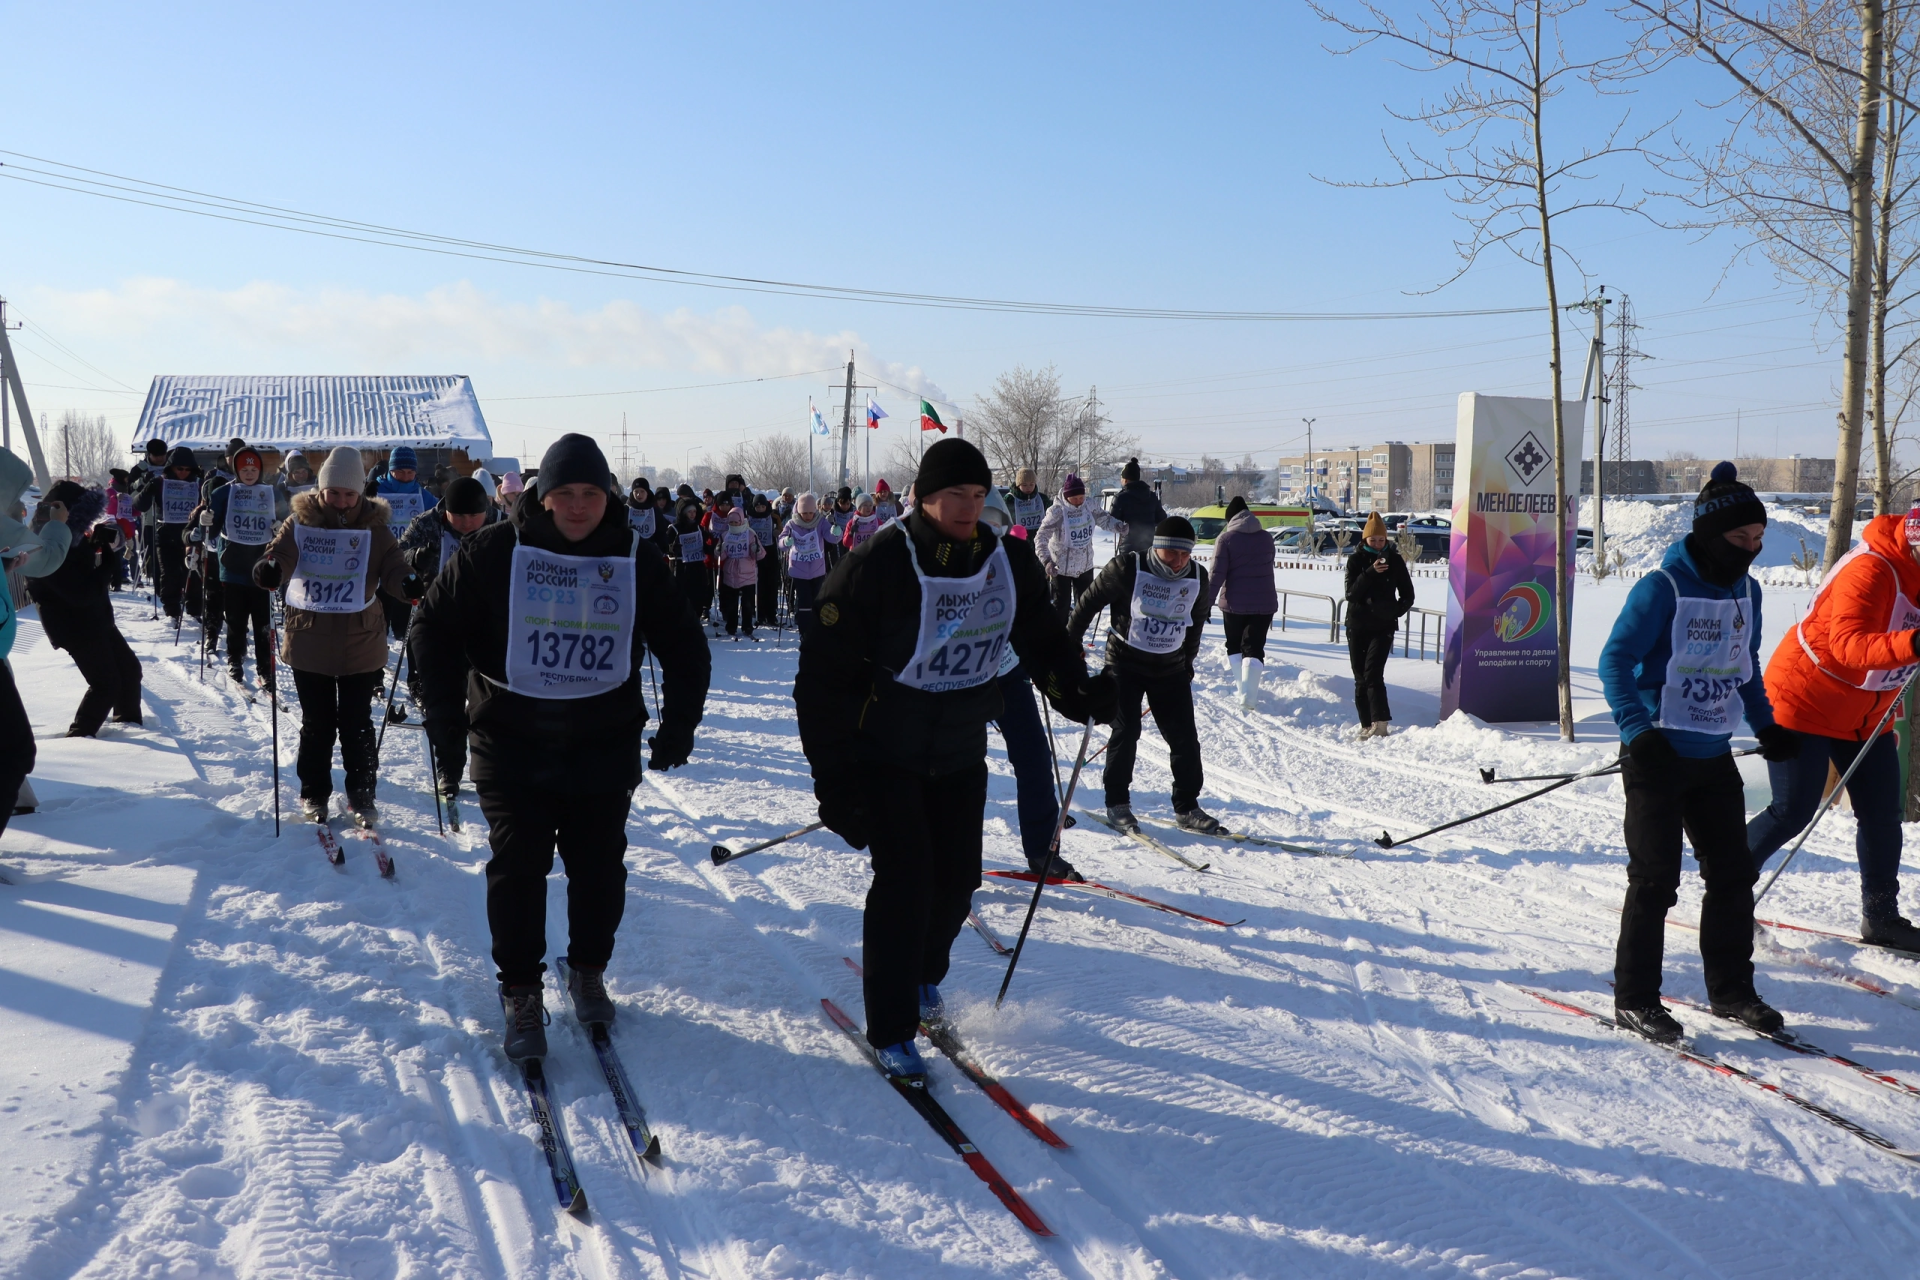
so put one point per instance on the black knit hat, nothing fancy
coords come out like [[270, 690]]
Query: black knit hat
[[1725, 503], [1174, 533], [572, 459], [465, 497], [948, 463], [1132, 470]]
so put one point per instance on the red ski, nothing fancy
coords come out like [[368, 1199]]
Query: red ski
[[329, 845], [948, 1041], [914, 1090], [1108, 891]]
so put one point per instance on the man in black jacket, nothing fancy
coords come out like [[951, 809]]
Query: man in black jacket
[[541, 624], [77, 611], [431, 543], [895, 688], [1379, 593], [171, 495], [1157, 603], [1138, 506]]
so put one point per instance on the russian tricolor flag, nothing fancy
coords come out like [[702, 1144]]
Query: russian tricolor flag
[[874, 414]]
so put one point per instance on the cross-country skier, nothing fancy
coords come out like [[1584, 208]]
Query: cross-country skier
[[171, 494], [866, 522], [1676, 711], [690, 570], [335, 554], [406, 497], [1028, 505], [296, 477], [1138, 507], [803, 545], [431, 543], [1064, 543], [737, 552], [885, 501], [765, 526], [151, 465], [1830, 682], [541, 626], [1379, 594], [1157, 604], [1029, 750], [895, 688], [243, 521]]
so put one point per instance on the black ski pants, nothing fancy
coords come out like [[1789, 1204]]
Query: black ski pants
[[696, 584], [17, 752], [803, 592], [337, 707], [1171, 697], [245, 603], [112, 673], [1369, 651], [767, 593], [213, 602], [1705, 799], [925, 845], [171, 549], [736, 606], [1799, 785], [446, 731], [1067, 592], [525, 829], [1247, 637]]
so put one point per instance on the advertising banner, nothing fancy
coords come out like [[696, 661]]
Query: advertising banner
[[1501, 651]]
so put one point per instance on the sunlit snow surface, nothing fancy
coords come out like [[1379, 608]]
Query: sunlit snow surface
[[223, 1057]]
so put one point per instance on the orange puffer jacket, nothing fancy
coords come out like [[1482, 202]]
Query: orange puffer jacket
[[1847, 629]]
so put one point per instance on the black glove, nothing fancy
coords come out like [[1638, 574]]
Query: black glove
[[1651, 751], [1777, 742], [1082, 697], [266, 574], [413, 588], [841, 808], [106, 536], [672, 747]]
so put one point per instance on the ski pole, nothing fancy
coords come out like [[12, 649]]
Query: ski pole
[[1053, 852], [433, 771], [1053, 756], [720, 853], [1386, 840], [273, 664], [1490, 775], [392, 688], [1833, 797]]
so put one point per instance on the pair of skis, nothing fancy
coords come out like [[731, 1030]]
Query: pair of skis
[[1121, 895], [330, 845], [1687, 1053], [914, 1089], [553, 1141]]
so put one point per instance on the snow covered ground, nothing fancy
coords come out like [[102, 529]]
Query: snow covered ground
[[224, 1057]]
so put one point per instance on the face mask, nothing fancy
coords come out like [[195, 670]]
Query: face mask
[[1721, 563]]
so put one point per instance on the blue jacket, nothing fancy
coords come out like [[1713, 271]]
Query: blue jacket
[[1633, 666]]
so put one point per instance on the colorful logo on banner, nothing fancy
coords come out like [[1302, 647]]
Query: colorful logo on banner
[[1522, 611]]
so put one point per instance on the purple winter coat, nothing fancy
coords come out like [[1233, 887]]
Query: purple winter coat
[[1242, 575]]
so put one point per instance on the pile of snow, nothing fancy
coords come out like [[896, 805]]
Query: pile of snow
[[1640, 533]]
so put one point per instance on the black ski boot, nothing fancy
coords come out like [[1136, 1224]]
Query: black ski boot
[[1121, 816], [1198, 820], [1753, 1012], [314, 811], [587, 989], [1655, 1023], [526, 1016], [1894, 931], [1062, 869], [364, 811]]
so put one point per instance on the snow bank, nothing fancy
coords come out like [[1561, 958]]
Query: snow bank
[[1640, 533]]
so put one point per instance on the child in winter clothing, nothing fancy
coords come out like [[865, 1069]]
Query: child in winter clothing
[[803, 545], [866, 522], [737, 549]]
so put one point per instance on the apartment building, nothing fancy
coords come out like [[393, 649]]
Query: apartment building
[[1371, 478], [1432, 477]]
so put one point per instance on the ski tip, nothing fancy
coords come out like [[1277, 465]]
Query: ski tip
[[1486, 775], [1385, 840], [578, 1206], [652, 1154], [720, 853]]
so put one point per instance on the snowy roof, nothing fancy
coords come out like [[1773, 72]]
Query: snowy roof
[[318, 411]]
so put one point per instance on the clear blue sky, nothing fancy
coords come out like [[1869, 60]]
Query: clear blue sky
[[1144, 155]]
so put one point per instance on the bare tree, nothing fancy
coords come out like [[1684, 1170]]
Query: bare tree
[[770, 462], [1505, 163], [81, 448], [1796, 168], [1026, 421]]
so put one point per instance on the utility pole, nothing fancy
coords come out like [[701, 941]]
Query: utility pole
[[846, 421], [6, 416], [1311, 472], [10, 381]]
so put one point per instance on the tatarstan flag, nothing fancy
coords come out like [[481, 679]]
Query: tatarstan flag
[[929, 420]]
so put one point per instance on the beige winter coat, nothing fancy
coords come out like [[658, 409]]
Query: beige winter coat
[[340, 644]]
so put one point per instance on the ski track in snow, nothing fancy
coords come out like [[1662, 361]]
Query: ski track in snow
[[249, 1063]]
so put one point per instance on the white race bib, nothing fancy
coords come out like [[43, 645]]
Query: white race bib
[[691, 547], [1029, 512], [737, 544], [1162, 610], [571, 634], [405, 507], [249, 514], [1712, 658], [641, 518], [762, 527], [804, 546], [1079, 522], [331, 576], [178, 498], [449, 548], [964, 624], [1903, 617]]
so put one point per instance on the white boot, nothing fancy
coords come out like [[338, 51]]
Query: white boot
[[1233, 669], [1250, 684]]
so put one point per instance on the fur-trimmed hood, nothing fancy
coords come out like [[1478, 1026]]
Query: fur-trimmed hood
[[311, 509]]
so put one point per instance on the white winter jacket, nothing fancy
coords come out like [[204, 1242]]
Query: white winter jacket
[[1051, 541]]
